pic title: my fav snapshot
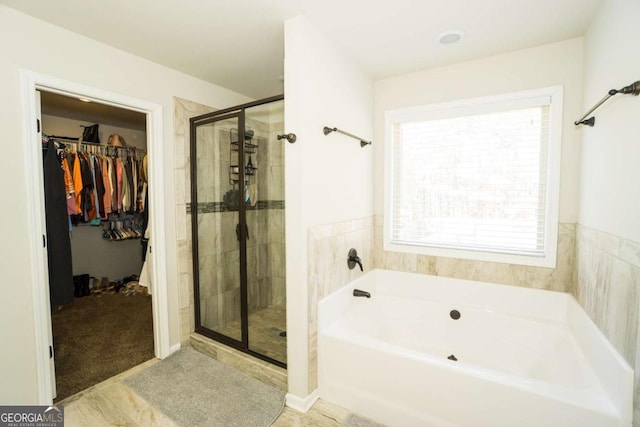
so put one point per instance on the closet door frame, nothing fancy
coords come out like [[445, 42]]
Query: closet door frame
[[31, 82]]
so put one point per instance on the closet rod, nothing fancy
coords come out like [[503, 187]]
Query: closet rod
[[363, 143], [88, 144]]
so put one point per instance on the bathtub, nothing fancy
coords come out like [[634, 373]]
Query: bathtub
[[514, 357]]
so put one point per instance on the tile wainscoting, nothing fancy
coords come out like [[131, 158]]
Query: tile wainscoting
[[608, 276], [560, 278], [327, 248]]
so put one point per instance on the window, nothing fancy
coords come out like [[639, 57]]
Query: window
[[476, 179]]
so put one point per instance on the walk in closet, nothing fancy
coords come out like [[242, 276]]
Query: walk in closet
[[96, 204]]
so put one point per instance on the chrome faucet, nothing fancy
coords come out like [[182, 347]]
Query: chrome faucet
[[354, 259]]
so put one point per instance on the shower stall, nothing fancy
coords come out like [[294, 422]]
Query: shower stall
[[237, 219]]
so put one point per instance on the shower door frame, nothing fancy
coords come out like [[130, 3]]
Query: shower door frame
[[238, 112]]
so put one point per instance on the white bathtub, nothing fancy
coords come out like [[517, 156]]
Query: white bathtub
[[525, 357]]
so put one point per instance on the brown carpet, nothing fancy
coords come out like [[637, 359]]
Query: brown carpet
[[97, 337]]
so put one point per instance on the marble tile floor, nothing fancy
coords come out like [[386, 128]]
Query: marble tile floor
[[111, 403], [265, 326]]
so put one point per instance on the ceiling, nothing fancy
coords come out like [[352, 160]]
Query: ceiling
[[239, 44]]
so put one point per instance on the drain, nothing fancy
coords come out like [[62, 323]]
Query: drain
[[283, 334], [455, 314], [452, 357]]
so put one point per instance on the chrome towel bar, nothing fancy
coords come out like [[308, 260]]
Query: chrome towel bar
[[363, 142], [633, 89]]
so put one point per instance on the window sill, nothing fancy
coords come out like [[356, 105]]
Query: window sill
[[547, 261]]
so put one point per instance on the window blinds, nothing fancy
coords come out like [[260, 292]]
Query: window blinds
[[476, 182]]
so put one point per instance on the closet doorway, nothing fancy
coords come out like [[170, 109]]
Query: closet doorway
[[97, 214]]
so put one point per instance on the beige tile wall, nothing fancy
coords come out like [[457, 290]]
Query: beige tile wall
[[556, 279], [328, 247], [608, 277], [182, 111]]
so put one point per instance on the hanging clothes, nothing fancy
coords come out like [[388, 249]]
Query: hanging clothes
[[77, 183], [107, 190], [93, 214], [57, 221], [107, 186], [70, 192], [87, 200], [125, 187], [99, 186], [119, 182]]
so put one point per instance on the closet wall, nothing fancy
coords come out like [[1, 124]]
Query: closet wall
[[91, 253]]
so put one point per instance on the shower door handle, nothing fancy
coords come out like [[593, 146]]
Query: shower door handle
[[246, 227]]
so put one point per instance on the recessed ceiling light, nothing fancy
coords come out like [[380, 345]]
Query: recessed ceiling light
[[84, 99], [450, 36]]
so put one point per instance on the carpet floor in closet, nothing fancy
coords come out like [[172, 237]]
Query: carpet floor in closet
[[97, 337]]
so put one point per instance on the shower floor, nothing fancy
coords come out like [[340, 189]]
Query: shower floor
[[265, 326]]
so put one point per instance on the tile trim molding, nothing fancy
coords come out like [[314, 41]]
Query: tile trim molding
[[214, 207]]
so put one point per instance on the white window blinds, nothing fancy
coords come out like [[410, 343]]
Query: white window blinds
[[476, 182]]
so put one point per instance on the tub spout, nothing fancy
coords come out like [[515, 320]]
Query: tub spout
[[359, 293]]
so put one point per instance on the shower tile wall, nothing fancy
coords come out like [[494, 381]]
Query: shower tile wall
[[217, 242], [608, 277], [182, 111], [265, 247]]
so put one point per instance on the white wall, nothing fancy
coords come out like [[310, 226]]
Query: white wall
[[328, 179], [548, 65], [27, 43], [609, 189]]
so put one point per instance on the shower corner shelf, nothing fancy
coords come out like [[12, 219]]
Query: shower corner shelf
[[250, 147]]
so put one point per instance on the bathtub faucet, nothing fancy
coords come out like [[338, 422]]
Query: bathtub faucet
[[359, 293], [354, 259]]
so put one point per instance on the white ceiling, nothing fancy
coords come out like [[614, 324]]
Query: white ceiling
[[239, 44]]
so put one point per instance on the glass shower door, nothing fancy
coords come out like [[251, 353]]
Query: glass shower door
[[237, 219], [215, 201]]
